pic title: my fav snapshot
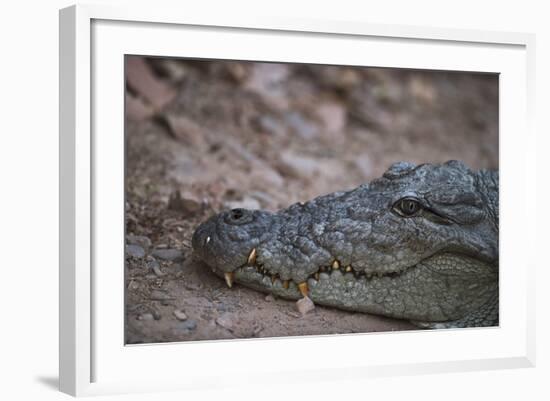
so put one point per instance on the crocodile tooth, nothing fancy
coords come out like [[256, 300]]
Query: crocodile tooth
[[285, 284], [316, 275], [229, 279], [335, 264], [303, 288], [252, 257], [348, 268], [207, 240]]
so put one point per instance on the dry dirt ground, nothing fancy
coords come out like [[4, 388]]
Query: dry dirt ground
[[203, 136]]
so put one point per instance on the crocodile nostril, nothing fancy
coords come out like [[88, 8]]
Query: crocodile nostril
[[237, 213], [238, 217]]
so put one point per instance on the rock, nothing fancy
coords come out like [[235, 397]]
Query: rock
[[270, 125], [333, 115], [158, 272], [146, 317], [343, 79], [422, 90], [175, 70], [301, 126], [185, 130], [135, 251], [157, 295], [156, 314], [349, 79], [237, 71], [263, 173], [137, 109], [169, 254], [264, 198], [133, 285], [222, 307], [192, 286], [297, 165], [226, 321], [305, 305], [365, 166], [151, 262], [267, 80], [188, 325], [140, 77], [154, 265], [245, 203], [187, 203], [180, 315], [140, 240], [257, 329]]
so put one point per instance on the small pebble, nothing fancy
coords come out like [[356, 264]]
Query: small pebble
[[135, 251], [168, 254], [225, 320], [192, 286], [245, 203], [222, 307], [180, 315], [305, 305], [157, 295], [257, 329], [186, 203], [140, 240], [269, 298], [133, 285], [146, 316], [153, 264], [302, 125], [189, 325]]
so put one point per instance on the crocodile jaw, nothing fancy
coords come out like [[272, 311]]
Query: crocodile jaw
[[439, 283]]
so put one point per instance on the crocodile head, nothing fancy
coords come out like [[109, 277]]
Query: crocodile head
[[420, 243]]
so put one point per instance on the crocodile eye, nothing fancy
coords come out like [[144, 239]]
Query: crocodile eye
[[407, 206]]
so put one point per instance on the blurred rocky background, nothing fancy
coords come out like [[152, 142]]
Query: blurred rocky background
[[203, 136]]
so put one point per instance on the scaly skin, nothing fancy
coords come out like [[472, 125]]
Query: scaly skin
[[420, 243]]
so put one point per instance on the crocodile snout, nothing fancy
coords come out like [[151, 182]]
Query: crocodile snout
[[224, 242]]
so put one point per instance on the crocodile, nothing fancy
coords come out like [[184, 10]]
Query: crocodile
[[419, 243]]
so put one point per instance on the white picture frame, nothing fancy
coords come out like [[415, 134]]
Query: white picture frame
[[93, 358]]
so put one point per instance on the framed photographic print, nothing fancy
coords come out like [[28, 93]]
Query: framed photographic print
[[235, 188]]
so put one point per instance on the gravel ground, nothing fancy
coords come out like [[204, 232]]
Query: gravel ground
[[204, 136]]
